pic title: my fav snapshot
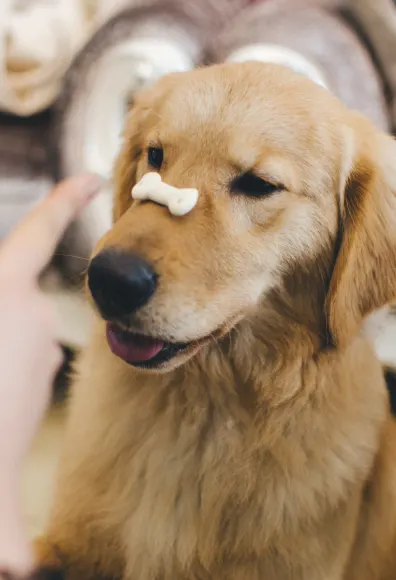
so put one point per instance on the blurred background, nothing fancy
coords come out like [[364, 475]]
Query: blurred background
[[69, 70]]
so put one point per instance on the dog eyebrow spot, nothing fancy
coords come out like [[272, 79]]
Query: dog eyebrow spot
[[178, 200]]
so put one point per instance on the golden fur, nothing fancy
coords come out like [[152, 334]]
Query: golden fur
[[268, 451]]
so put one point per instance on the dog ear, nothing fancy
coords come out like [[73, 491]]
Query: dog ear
[[126, 166], [142, 106], [364, 276]]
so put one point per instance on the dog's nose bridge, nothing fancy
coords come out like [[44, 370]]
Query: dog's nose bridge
[[179, 201]]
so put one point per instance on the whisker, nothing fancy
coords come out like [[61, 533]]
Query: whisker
[[71, 256]]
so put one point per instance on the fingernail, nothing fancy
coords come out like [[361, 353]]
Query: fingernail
[[91, 184]]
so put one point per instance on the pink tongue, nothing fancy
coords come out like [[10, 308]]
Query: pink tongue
[[132, 348]]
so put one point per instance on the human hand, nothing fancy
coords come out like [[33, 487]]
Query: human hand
[[29, 353]]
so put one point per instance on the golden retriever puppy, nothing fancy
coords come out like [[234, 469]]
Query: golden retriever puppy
[[229, 419]]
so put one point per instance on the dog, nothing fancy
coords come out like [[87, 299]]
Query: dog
[[229, 419]]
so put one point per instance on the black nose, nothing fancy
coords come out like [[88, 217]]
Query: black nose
[[120, 282]]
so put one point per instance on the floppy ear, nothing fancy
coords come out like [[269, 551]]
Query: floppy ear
[[364, 276], [126, 166]]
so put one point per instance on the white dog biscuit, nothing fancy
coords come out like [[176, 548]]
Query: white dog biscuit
[[179, 201]]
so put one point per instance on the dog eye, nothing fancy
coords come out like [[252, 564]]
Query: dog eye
[[155, 157], [253, 186]]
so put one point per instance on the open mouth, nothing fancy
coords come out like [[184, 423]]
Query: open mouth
[[141, 351]]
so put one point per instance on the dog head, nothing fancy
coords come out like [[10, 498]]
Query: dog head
[[288, 181]]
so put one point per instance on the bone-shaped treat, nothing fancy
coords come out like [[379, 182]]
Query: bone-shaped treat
[[179, 201]]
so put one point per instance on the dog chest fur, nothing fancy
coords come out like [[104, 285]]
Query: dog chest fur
[[204, 479]]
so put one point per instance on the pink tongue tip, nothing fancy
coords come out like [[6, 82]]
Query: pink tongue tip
[[132, 348]]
